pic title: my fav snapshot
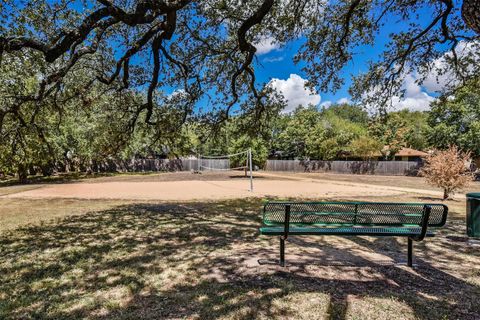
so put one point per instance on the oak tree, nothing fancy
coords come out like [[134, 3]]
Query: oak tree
[[206, 49]]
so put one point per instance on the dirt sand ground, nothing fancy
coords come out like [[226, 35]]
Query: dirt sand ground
[[124, 257], [215, 186]]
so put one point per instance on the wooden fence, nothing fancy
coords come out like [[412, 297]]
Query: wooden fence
[[159, 165], [392, 168], [398, 168]]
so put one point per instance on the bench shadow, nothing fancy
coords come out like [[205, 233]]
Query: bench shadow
[[201, 260]]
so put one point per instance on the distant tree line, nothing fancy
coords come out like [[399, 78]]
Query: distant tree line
[[83, 85], [94, 127]]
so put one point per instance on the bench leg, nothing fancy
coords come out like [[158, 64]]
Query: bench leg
[[282, 251], [410, 253]]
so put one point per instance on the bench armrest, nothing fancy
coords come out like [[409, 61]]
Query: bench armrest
[[286, 221], [423, 224]]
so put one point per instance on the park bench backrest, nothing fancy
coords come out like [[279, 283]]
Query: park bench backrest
[[353, 214]]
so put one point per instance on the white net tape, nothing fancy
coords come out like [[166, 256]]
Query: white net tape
[[220, 169], [222, 163], [222, 157]]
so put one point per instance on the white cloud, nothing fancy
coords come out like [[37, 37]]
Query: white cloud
[[266, 45], [177, 94], [415, 99], [326, 104], [273, 59], [421, 86], [436, 82], [437, 79], [344, 100], [418, 103], [294, 91], [440, 76]]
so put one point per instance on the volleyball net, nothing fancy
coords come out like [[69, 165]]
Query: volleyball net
[[240, 161]]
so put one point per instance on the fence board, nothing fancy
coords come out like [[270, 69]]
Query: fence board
[[159, 165], [395, 168], [348, 167]]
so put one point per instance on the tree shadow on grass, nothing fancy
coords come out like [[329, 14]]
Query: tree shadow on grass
[[198, 260]]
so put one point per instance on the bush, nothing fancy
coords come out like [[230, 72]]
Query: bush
[[448, 169]]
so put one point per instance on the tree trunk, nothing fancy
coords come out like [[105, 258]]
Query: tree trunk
[[471, 14], [22, 173], [67, 166], [446, 194], [47, 169]]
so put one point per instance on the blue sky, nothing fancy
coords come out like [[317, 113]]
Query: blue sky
[[276, 63]]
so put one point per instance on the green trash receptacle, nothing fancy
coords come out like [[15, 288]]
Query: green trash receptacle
[[473, 214]]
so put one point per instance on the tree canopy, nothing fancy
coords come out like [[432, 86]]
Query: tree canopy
[[455, 119], [206, 49], [83, 81]]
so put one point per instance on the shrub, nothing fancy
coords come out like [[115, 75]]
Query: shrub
[[448, 169]]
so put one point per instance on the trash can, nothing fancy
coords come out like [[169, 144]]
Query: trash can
[[473, 214]]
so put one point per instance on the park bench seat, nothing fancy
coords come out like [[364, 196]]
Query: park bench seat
[[412, 220], [350, 231]]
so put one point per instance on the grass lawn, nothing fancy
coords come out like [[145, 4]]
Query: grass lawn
[[119, 260]]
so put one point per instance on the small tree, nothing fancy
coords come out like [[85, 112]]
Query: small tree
[[259, 151], [447, 169], [365, 148]]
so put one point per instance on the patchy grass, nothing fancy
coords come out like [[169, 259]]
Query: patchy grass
[[206, 260], [72, 176], [4, 190], [15, 213]]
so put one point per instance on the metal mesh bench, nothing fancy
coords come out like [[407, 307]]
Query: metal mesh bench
[[411, 220]]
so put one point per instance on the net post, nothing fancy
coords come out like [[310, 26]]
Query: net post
[[250, 165], [247, 161]]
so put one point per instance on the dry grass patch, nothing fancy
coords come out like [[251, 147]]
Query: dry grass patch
[[5, 190], [201, 261], [16, 213]]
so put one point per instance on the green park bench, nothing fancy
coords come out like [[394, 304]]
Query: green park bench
[[412, 220]]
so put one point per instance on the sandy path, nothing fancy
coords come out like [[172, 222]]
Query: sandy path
[[211, 190], [362, 186]]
